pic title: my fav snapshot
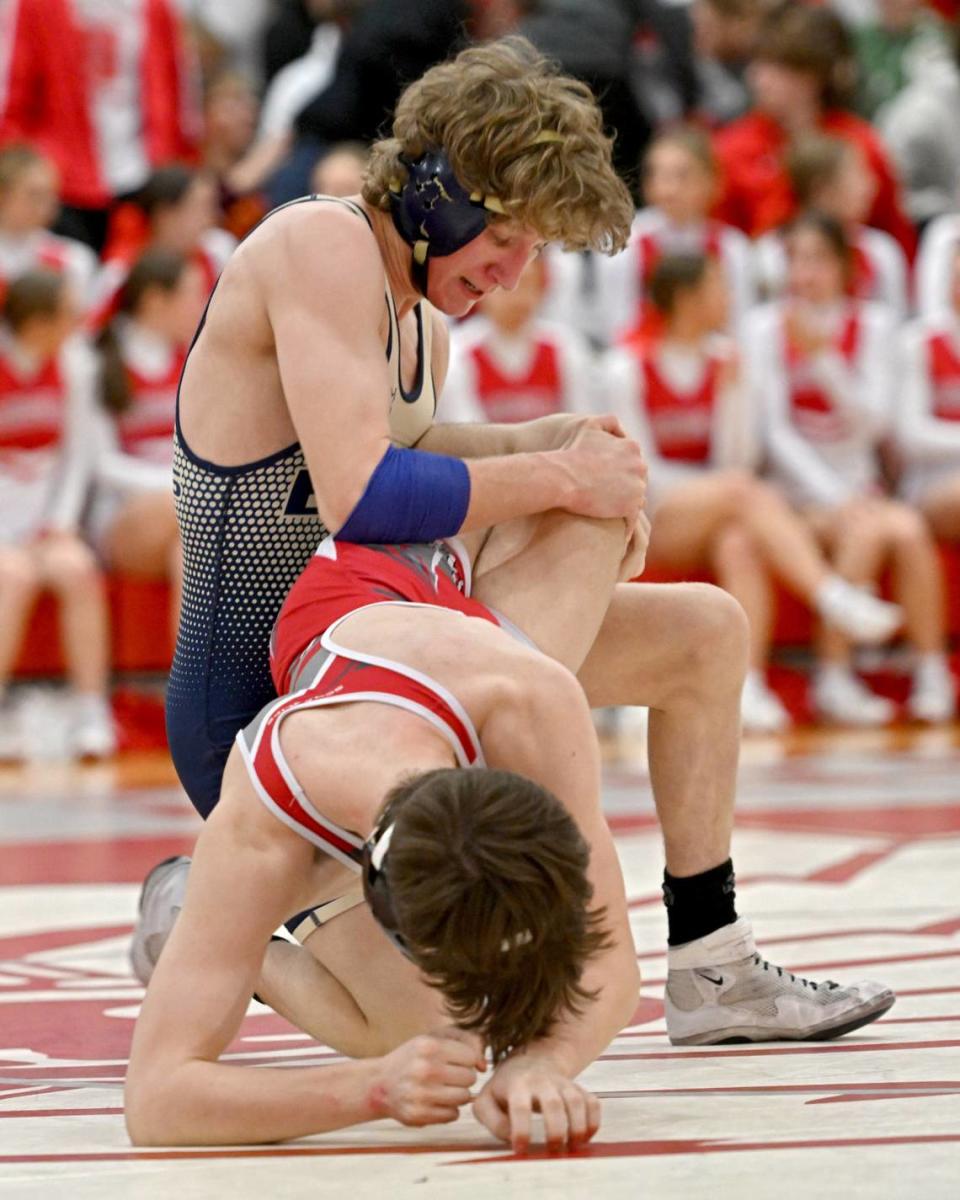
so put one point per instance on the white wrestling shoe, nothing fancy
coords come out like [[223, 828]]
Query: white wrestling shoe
[[856, 613], [720, 990], [933, 697], [760, 708], [841, 697], [161, 899]]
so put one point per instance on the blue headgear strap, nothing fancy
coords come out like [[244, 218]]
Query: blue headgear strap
[[434, 213]]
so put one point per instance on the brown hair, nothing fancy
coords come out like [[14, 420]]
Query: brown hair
[[15, 159], [153, 269], [812, 162], [673, 274], [488, 875], [37, 293], [166, 188], [487, 108], [830, 230], [691, 138], [814, 41]]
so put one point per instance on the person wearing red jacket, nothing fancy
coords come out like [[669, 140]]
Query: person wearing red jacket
[[799, 79], [105, 90]]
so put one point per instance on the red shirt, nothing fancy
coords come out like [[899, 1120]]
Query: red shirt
[[31, 410], [813, 411], [943, 363], [153, 402], [681, 422], [508, 398], [756, 192]]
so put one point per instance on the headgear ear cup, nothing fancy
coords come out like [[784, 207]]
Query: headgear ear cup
[[433, 212]]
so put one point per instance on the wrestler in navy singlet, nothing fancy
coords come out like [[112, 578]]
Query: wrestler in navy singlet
[[248, 531]]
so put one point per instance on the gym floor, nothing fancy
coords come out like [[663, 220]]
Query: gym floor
[[848, 863]]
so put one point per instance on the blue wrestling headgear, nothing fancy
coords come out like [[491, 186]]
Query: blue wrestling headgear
[[435, 214], [376, 886]]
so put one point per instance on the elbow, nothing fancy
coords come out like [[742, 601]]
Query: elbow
[[628, 993], [623, 994]]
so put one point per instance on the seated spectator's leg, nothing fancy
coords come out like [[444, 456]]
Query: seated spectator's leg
[[919, 588], [941, 506], [19, 583], [853, 536], [917, 578], [741, 571], [144, 539], [68, 567], [689, 517]]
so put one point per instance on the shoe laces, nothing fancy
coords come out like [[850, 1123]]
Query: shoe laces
[[828, 984]]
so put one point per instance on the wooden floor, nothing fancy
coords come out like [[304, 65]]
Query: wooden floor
[[848, 860]]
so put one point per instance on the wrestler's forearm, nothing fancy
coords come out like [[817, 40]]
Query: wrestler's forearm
[[470, 440], [202, 1103], [520, 485], [576, 1041]]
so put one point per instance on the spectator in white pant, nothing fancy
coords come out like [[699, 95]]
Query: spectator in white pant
[[685, 400], [823, 367]]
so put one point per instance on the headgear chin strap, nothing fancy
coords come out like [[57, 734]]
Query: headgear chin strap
[[376, 886], [435, 214]]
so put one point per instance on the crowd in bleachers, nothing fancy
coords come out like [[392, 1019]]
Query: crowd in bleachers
[[782, 333]]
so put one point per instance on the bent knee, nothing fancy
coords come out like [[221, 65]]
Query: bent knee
[[906, 526], [70, 565], [715, 633], [734, 545], [19, 575]]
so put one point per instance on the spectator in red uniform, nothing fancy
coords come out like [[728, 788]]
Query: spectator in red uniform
[[132, 521], [680, 182], [176, 211], [28, 205], [46, 385], [829, 174], [800, 78], [823, 367], [684, 398], [105, 89], [506, 365]]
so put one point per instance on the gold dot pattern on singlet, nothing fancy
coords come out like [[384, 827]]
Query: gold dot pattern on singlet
[[243, 550]]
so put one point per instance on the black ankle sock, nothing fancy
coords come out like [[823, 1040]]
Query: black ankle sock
[[699, 904]]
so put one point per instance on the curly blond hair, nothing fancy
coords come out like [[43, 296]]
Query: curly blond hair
[[516, 129]]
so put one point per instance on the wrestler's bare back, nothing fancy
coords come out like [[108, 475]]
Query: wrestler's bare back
[[367, 749], [297, 328]]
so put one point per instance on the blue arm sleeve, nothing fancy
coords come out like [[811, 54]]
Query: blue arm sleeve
[[412, 496]]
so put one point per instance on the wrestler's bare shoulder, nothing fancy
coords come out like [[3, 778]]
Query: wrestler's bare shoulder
[[310, 245]]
